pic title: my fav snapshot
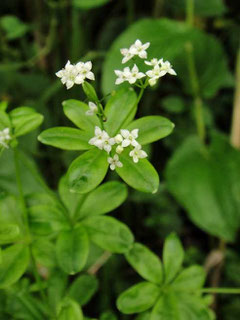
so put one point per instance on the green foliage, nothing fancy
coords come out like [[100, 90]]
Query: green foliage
[[88, 4], [69, 310], [13, 27]]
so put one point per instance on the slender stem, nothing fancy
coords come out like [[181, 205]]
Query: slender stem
[[157, 9], [140, 95], [190, 12], [235, 131], [99, 263], [221, 290]]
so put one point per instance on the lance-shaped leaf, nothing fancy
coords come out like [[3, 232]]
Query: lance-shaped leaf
[[108, 233], [191, 278], [173, 255], [66, 138], [8, 233], [141, 176], [120, 110], [15, 261], [138, 298], [104, 199], [25, 120], [151, 128], [4, 120], [72, 249], [69, 309], [76, 111], [145, 262], [87, 171]]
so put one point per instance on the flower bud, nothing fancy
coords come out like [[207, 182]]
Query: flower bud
[[119, 149], [118, 138]]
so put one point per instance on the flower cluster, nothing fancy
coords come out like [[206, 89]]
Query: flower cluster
[[75, 73], [122, 140], [5, 137], [160, 68]]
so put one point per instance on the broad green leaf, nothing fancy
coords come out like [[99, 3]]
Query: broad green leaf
[[120, 110], [109, 233], [138, 298], [4, 120], [56, 287], [44, 252], [167, 308], [206, 187], [87, 171], [105, 198], [83, 288], [13, 27], [173, 255], [89, 4], [69, 309], [72, 249], [15, 261], [145, 262], [191, 278], [9, 233], [141, 176], [66, 138], [151, 128], [25, 120], [76, 112], [168, 39]]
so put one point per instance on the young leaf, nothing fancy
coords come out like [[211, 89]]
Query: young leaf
[[151, 128], [89, 91], [69, 309], [72, 249], [4, 120], [25, 120], [141, 176], [108, 233], [66, 138], [8, 233], [173, 255], [120, 110], [87, 171], [76, 112], [15, 261], [191, 278], [83, 288], [167, 308], [138, 298], [145, 262], [104, 199]]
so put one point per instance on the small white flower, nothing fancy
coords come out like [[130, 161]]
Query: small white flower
[[5, 137], [139, 49], [99, 139], [107, 144], [137, 153], [135, 75], [118, 138], [92, 109], [119, 149], [166, 67], [127, 55], [159, 71], [114, 162], [129, 138], [153, 62], [84, 70], [129, 75]]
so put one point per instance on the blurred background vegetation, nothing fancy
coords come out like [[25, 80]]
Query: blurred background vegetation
[[37, 37]]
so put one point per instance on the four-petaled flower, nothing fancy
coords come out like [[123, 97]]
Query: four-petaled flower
[[127, 55], [84, 70], [108, 143], [100, 137], [153, 62], [137, 153], [139, 49], [166, 67], [159, 71], [114, 162], [129, 138], [129, 75], [5, 137], [92, 109]]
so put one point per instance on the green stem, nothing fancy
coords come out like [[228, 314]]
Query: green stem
[[140, 95], [190, 12], [221, 290]]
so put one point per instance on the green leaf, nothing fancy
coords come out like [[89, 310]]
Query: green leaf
[[168, 39], [4, 120], [167, 308], [105, 198], [56, 287], [66, 138], [90, 91], [138, 298], [211, 198], [3, 105], [15, 261], [8, 233], [25, 120], [145, 262], [89, 4], [44, 252], [151, 128], [191, 278], [76, 112], [108, 233], [87, 171], [72, 249], [141, 176], [13, 27], [83, 288], [69, 310], [120, 110], [173, 255]]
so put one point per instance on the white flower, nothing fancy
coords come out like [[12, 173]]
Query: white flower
[[166, 67], [119, 149], [114, 162], [84, 70], [107, 144], [92, 109], [127, 55], [137, 153], [99, 139], [139, 49], [118, 138], [5, 137], [159, 71], [153, 62], [129, 138], [128, 75], [135, 75]]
